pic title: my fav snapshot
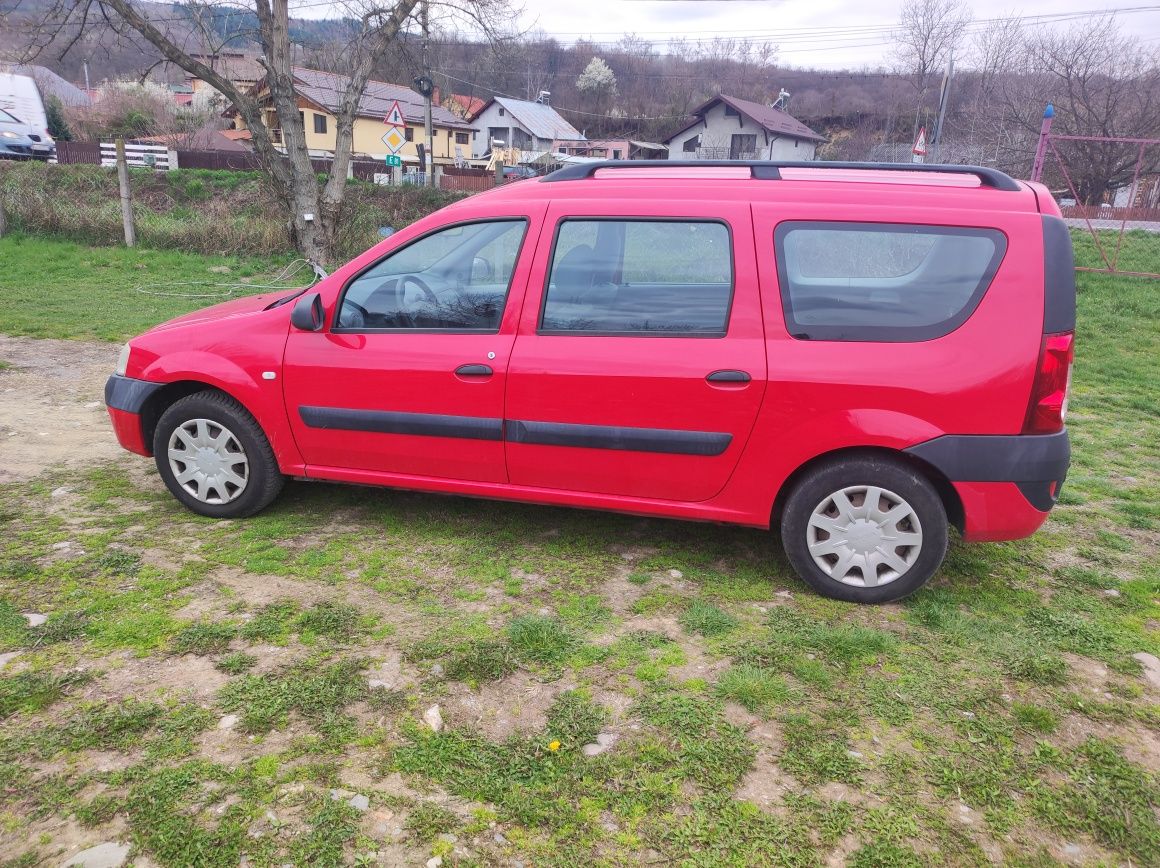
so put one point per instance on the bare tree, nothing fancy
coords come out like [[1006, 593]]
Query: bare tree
[[1103, 83], [373, 26], [928, 33]]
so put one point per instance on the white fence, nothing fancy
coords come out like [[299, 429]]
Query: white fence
[[157, 157]]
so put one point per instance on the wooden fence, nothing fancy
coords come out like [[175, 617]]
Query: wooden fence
[[139, 156]]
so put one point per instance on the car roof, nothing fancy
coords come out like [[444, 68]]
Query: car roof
[[971, 187]]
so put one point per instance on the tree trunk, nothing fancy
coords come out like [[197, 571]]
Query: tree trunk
[[312, 209]]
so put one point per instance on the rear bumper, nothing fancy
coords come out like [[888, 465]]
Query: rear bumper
[[1007, 483], [125, 397]]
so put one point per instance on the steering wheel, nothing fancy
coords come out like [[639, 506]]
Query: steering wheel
[[420, 284], [353, 316]]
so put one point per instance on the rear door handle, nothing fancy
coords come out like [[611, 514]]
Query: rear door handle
[[474, 371], [728, 377]]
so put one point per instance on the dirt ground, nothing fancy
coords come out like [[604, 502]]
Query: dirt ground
[[52, 409]]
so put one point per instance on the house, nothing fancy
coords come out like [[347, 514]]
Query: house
[[319, 95], [529, 126], [614, 149], [728, 128], [242, 69], [461, 105]]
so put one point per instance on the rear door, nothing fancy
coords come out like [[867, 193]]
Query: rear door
[[639, 366]]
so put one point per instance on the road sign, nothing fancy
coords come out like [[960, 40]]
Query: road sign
[[392, 160], [394, 139], [394, 116], [919, 149]]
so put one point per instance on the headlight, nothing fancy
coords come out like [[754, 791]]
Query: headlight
[[123, 360], [8, 134]]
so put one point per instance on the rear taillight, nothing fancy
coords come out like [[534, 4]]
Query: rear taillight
[[1048, 407]]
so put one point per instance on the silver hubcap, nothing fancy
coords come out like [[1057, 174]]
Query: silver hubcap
[[864, 536], [208, 461]]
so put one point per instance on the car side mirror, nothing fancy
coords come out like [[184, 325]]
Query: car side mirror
[[308, 315]]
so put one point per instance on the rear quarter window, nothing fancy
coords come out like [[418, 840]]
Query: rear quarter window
[[882, 282]]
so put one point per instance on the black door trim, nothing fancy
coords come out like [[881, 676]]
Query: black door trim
[[662, 440], [387, 422]]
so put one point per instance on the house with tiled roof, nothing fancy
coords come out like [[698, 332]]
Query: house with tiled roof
[[319, 96], [531, 127], [728, 128]]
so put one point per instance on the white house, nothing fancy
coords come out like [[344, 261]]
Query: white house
[[529, 126], [727, 128]]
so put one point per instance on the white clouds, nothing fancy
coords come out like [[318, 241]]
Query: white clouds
[[823, 33]]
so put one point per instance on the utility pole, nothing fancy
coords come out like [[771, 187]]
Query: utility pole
[[943, 99], [126, 200], [427, 131]]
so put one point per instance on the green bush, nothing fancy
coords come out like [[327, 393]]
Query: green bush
[[195, 210]]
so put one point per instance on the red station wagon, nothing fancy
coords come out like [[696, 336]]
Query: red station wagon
[[860, 355]]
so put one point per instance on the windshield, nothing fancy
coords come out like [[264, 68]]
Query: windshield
[[7, 118]]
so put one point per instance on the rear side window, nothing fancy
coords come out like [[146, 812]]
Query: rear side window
[[882, 282], [639, 277]]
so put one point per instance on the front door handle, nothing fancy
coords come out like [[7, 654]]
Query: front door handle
[[474, 371], [728, 377]]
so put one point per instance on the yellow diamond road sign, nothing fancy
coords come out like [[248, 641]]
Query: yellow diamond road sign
[[394, 139]]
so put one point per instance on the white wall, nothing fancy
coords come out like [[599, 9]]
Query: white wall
[[481, 144]]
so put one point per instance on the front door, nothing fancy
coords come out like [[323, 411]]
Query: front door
[[410, 377], [640, 363]]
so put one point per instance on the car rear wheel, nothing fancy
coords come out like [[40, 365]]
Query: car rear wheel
[[865, 530], [214, 457]]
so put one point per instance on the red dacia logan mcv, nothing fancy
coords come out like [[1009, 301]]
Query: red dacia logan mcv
[[861, 355]]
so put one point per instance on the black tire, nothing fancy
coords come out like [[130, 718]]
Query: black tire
[[897, 478], [263, 479]]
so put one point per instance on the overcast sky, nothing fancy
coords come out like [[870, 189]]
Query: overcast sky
[[819, 33]]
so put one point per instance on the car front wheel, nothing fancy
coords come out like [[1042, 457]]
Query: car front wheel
[[214, 457], [864, 530]]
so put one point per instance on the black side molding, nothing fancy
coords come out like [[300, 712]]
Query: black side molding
[[1036, 463], [384, 422], [125, 393], [1058, 277], [663, 440]]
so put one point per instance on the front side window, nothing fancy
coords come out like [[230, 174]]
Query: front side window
[[461, 138], [639, 277], [882, 282], [320, 124], [453, 279]]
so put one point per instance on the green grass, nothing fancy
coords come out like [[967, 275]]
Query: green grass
[[707, 619], [742, 727], [59, 289]]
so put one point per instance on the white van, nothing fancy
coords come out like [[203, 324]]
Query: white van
[[20, 100]]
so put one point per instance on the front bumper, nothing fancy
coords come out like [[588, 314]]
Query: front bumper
[[125, 399], [1007, 483], [21, 151]]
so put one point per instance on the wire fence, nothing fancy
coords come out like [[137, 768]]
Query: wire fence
[[1108, 189]]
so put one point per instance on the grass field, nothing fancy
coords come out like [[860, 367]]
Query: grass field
[[211, 690]]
